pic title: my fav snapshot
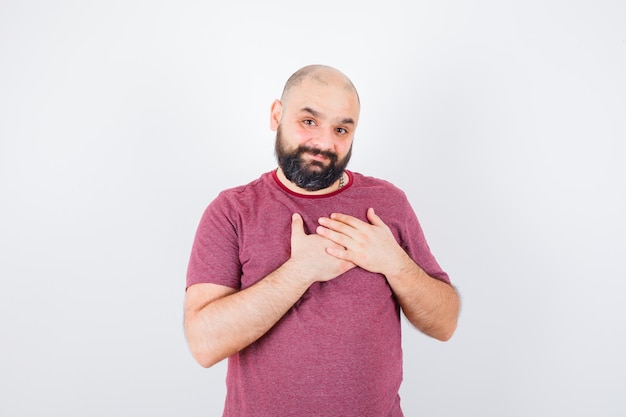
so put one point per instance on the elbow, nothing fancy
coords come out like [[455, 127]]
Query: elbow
[[444, 334], [447, 330], [443, 330], [448, 327], [205, 357], [204, 350], [205, 362], [440, 331]]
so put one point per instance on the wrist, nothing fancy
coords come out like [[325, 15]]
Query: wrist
[[401, 266], [293, 274]]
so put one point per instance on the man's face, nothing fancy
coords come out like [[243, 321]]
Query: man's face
[[315, 127]]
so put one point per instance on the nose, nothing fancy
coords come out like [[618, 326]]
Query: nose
[[324, 140]]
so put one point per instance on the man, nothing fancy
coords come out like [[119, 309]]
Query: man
[[299, 277]]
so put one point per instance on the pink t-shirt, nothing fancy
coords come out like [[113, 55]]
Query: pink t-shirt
[[337, 351]]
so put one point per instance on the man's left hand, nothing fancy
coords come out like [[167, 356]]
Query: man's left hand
[[371, 245]]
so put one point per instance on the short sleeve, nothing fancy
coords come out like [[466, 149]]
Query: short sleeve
[[415, 244], [215, 252]]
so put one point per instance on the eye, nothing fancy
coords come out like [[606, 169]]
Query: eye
[[309, 122], [341, 130]]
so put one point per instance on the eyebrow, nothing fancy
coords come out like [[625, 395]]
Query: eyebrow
[[315, 113]]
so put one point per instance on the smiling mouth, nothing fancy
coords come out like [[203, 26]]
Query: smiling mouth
[[317, 156], [315, 164], [320, 154]]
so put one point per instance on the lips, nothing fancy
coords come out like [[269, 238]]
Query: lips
[[318, 156]]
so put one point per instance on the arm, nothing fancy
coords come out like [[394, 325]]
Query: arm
[[220, 321], [431, 305]]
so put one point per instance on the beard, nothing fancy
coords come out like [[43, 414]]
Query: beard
[[309, 175]]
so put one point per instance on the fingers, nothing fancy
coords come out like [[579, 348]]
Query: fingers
[[346, 231], [338, 227], [346, 219], [347, 225], [373, 217], [354, 222], [339, 252], [333, 234], [297, 225]]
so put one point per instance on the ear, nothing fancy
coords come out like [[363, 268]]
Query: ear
[[276, 114]]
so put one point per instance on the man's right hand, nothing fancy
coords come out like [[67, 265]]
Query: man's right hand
[[309, 257]]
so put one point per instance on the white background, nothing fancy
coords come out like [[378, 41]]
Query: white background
[[503, 121]]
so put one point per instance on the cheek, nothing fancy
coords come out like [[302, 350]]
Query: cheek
[[343, 147], [292, 138], [301, 136]]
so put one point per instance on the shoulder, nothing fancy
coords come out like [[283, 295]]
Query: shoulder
[[246, 193], [389, 201], [232, 203], [377, 185]]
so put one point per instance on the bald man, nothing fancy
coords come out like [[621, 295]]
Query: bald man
[[299, 277]]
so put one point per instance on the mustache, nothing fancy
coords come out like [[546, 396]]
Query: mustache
[[316, 151]]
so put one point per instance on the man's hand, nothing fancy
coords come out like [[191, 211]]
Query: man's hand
[[371, 246], [311, 254]]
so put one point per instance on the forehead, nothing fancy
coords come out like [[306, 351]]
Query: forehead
[[331, 96]]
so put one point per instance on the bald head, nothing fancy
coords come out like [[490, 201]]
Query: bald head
[[318, 74]]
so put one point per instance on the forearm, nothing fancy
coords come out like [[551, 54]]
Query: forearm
[[228, 324], [431, 305]]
